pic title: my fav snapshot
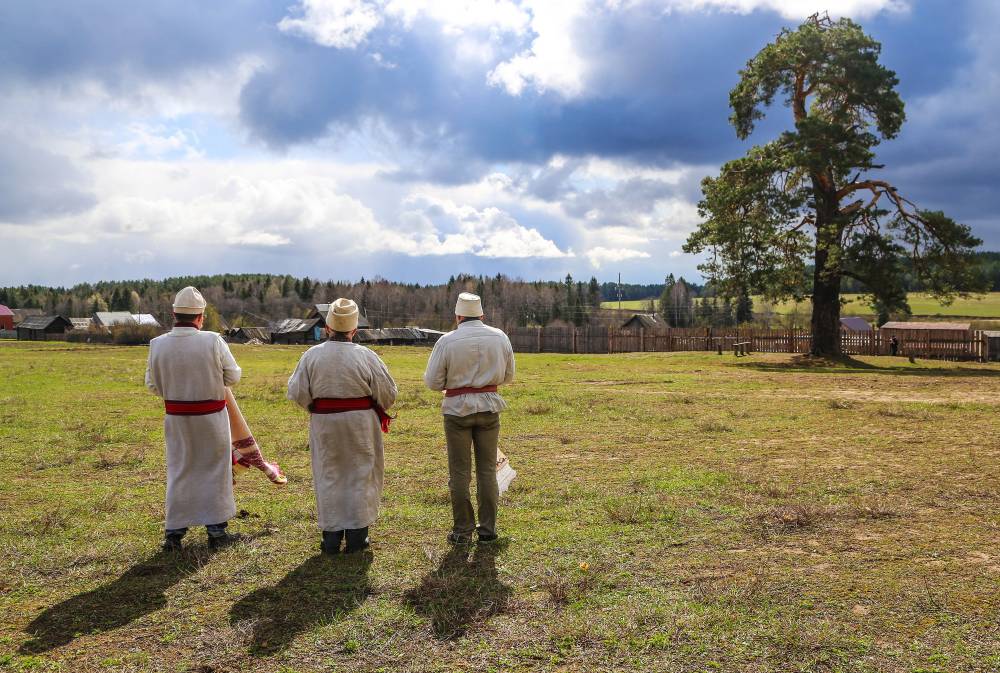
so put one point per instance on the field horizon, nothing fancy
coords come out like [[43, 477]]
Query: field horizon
[[672, 511], [922, 305]]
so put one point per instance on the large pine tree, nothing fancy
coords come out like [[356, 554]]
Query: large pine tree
[[810, 197]]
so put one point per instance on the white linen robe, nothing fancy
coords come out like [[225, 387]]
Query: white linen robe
[[347, 454], [191, 366]]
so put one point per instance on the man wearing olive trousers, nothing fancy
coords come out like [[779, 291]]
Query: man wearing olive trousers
[[468, 364]]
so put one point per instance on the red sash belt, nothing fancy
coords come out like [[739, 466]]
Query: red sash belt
[[336, 405], [452, 392], [202, 408]]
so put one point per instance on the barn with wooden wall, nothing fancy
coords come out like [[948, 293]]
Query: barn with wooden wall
[[930, 339], [6, 318], [40, 328]]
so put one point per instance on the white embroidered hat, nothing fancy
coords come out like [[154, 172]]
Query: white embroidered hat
[[469, 305], [343, 316], [189, 302]]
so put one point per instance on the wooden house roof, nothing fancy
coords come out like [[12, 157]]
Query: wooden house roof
[[43, 322], [294, 325], [949, 326]]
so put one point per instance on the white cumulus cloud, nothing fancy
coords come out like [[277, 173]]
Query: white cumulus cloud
[[343, 24], [443, 227], [600, 256]]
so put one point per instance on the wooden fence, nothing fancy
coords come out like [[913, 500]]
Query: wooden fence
[[610, 340]]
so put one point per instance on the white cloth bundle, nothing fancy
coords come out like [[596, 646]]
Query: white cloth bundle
[[505, 473]]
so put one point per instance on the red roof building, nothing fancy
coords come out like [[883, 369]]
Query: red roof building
[[6, 318]]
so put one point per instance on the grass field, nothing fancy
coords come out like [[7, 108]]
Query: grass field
[[921, 304], [673, 512]]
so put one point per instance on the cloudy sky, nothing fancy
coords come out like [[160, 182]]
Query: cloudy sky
[[414, 139]]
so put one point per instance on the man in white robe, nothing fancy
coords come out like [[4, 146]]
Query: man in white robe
[[190, 370], [346, 388], [468, 364]]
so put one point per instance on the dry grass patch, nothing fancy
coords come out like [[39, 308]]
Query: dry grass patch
[[714, 425], [537, 408], [875, 507], [899, 411], [793, 516]]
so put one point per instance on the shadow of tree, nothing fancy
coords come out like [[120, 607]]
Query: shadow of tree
[[461, 591], [140, 591], [319, 591], [849, 365]]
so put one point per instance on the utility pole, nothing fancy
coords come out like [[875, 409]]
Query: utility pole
[[619, 290]]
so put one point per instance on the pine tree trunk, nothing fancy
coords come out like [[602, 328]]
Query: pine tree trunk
[[826, 312], [826, 280]]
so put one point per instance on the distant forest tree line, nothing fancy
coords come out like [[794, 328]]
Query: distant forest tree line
[[256, 299]]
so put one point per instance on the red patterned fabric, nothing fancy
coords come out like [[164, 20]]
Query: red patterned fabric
[[331, 405], [200, 408], [244, 443]]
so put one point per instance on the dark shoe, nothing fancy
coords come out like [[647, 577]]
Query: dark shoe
[[216, 542], [357, 540], [172, 543], [331, 541], [455, 538], [484, 538]]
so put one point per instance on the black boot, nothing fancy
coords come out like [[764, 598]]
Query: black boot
[[219, 537], [357, 540], [172, 542], [331, 541], [222, 541]]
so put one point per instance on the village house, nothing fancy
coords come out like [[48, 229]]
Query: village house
[[6, 318], [644, 321], [242, 335], [145, 320], [82, 324], [297, 331], [109, 319], [40, 327]]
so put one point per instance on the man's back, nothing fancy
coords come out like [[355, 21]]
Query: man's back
[[188, 365], [472, 356], [338, 369]]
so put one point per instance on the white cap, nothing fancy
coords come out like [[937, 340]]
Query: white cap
[[469, 306], [342, 316], [189, 302]]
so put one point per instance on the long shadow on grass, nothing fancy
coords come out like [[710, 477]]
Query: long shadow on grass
[[138, 592], [319, 591], [849, 365], [461, 591]]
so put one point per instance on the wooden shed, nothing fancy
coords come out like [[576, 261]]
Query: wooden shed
[[38, 328], [6, 318], [644, 321], [950, 340], [242, 335], [392, 336], [854, 324], [113, 318], [82, 324], [992, 342], [296, 331]]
